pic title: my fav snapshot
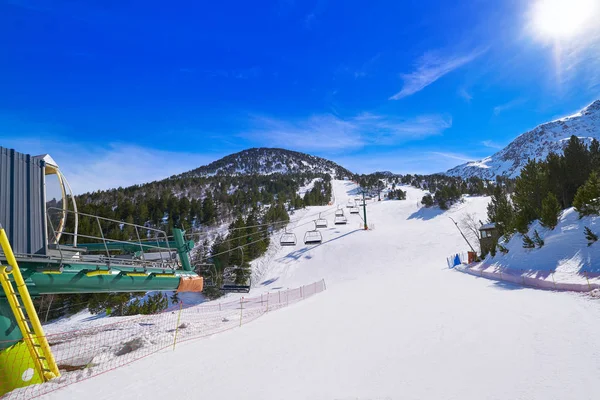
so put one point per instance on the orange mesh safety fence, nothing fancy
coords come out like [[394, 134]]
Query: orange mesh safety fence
[[108, 343]]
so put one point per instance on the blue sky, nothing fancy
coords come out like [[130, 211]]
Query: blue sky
[[123, 92]]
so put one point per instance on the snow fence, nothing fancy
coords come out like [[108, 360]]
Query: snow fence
[[538, 279], [113, 342]]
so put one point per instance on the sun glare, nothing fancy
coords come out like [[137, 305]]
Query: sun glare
[[563, 19]]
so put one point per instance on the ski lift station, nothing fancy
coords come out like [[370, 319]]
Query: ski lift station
[[43, 253]]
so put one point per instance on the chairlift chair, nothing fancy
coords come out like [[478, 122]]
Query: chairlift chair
[[287, 239], [340, 220], [354, 210], [339, 213], [228, 285], [321, 222], [313, 237], [350, 204]]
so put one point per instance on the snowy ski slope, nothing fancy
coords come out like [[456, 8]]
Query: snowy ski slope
[[394, 323]]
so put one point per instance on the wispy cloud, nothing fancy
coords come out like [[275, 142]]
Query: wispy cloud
[[95, 167], [508, 105], [367, 67], [407, 160], [431, 67], [311, 18], [462, 92], [452, 156], [492, 145], [328, 132], [237, 73]]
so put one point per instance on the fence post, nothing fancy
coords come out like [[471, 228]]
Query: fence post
[[588, 280], [241, 309], [177, 327]]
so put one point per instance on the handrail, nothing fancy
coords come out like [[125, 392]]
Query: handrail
[[160, 242]]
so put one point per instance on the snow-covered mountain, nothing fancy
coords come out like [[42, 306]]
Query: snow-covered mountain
[[537, 143], [266, 161]]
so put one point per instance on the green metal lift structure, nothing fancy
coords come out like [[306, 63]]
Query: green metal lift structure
[[40, 255]]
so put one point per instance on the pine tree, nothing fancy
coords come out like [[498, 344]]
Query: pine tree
[[208, 210], [556, 176], [587, 199], [427, 200], [527, 242], [530, 190], [590, 236], [550, 211], [577, 167], [501, 211], [595, 155], [539, 242]]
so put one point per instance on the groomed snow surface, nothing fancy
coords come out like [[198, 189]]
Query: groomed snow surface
[[394, 323]]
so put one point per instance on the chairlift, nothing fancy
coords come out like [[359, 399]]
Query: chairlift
[[229, 285], [287, 239], [229, 275], [321, 222], [313, 237], [354, 210], [340, 220], [209, 272], [339, 213], [350, 204]]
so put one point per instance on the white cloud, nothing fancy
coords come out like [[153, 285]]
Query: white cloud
[[431, 67], [462, 92], [93, 167], [492, 145], [507, 106], [404, 161], [451, 156], [328, 132]]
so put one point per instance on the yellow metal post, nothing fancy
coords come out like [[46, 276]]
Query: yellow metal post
[[177, 327], [38, 332]]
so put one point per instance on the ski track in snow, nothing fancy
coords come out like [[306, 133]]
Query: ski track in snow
[[394, 323]]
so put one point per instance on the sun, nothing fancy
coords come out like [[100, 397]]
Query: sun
[[563, 19]]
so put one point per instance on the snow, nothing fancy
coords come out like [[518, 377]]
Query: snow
[[565, 256], [394, 323], [535, 144]]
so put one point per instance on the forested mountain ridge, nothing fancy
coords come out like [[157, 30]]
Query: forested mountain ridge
[[266, 161], [217, 192]]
